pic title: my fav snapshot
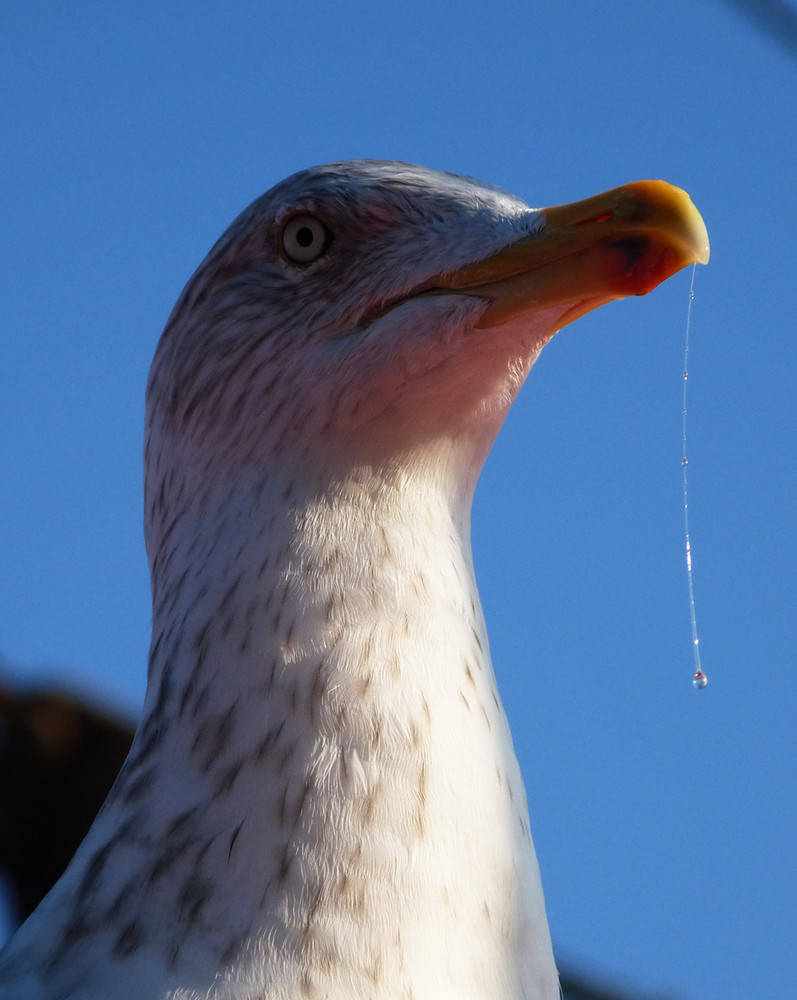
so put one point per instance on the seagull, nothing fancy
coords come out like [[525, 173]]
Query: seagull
[[322, 800]]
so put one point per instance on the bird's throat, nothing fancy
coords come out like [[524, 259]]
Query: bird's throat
[[340, 714], [323, 789]]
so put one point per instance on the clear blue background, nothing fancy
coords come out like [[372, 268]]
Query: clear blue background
[[132, 133]]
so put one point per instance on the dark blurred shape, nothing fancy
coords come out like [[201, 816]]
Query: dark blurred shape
[[575, 987], [776, 18], [58, 760]]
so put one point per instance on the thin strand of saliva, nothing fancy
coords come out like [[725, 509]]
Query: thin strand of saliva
[[699, 680]]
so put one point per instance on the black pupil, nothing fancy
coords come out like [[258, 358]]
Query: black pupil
[[304, 236]]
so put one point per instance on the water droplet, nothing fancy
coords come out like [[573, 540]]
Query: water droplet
[[699, 680]]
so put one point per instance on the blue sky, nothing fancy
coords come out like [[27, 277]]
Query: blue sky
[[664, 818]]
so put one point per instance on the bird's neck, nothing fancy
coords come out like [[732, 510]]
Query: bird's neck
[[324, 763]]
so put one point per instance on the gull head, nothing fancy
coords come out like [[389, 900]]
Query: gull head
[[369, 313]]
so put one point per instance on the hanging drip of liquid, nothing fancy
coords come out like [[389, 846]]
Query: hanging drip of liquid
[[699, 680]]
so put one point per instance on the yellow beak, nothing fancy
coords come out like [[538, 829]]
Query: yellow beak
[[623, 242]]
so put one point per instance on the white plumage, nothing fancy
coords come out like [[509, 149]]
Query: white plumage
[[322, 799]]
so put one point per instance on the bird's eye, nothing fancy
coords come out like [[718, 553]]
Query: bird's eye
[[304, 238]]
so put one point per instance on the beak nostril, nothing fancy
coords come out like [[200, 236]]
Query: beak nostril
[[596, 219]]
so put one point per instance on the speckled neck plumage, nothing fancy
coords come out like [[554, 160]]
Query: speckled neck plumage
[[324, 770]]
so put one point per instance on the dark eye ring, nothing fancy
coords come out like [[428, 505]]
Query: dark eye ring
[[304, 238]]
